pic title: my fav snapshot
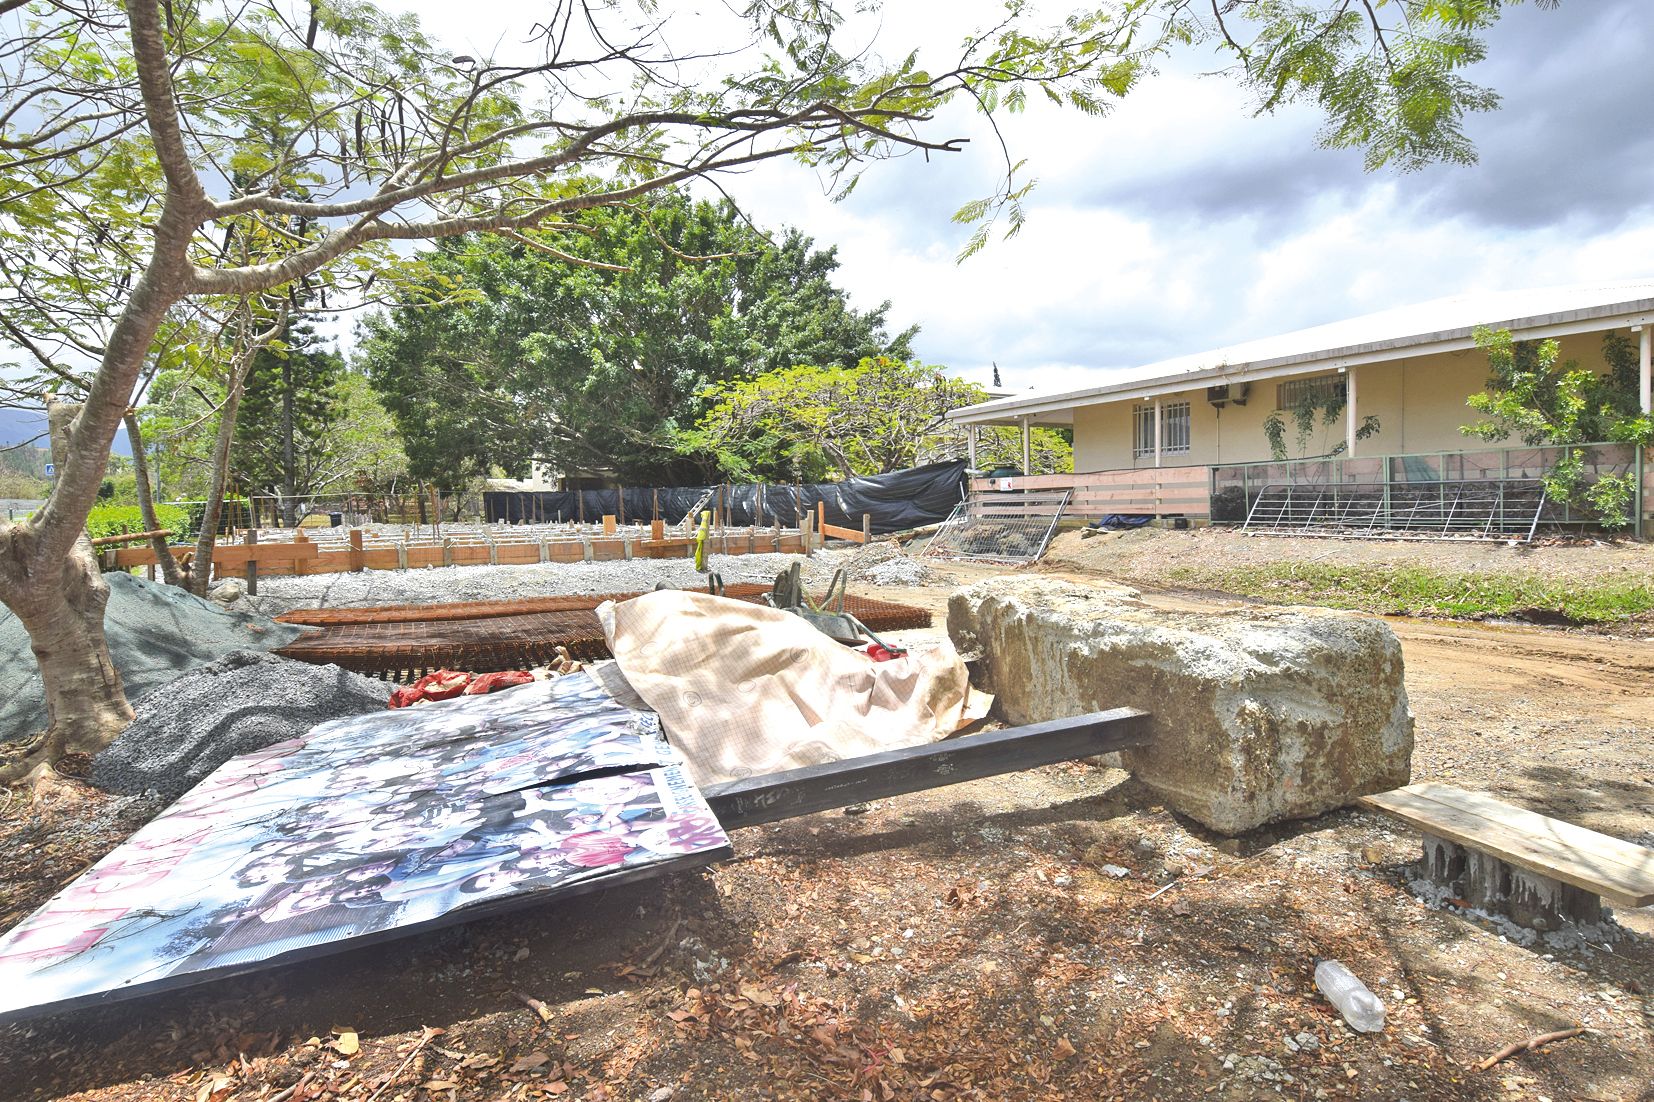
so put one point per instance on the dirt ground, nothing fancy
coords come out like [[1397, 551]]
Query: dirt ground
[[1147, 555], [969, 942]]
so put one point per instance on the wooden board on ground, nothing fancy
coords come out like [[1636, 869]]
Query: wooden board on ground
[[854, 535], [1619, 871]]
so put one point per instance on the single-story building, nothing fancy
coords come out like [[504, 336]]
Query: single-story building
[[1190, 422]]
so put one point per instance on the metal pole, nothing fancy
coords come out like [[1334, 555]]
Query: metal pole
[[1349, 413], [1645, 353], [1638, 458]]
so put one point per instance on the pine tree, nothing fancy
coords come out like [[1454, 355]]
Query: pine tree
[[281, 444]]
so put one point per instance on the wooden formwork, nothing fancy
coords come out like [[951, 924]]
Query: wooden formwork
[[278, 553]]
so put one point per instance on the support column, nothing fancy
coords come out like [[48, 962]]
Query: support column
[[970, 442], [1350, 420], [1027, 449], [1645, 384], [1157, 432]]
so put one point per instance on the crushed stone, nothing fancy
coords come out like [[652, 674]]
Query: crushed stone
[[880, 563], [502, 583], [245, 701], [155, 631], [1576, 938]]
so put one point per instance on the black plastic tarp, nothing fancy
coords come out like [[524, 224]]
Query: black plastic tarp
[[894, 502]]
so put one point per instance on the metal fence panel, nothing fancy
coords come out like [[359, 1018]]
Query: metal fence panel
[[1011, 526]]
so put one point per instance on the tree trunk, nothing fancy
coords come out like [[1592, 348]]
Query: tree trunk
[[62, 610], [86, 703], [170, 572], [206, 539], [288, 461]]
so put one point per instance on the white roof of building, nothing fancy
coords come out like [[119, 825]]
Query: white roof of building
[[1441, 325]]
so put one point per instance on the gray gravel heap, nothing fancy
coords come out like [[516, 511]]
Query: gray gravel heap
[[245, 701], [502, 583], [155, 633], [880, 563]]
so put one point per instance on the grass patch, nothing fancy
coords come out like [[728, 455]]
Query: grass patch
[[1418, 591]]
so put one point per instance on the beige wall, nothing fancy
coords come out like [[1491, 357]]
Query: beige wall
[[1420, 404]]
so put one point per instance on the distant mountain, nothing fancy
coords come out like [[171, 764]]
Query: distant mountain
[[18, 425]]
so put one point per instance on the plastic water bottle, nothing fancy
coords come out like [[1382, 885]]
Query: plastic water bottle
[[1360, 1007]]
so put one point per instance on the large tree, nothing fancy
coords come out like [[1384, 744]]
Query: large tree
[[879, 415], [1535, 395], [600, 365], [161, 154]]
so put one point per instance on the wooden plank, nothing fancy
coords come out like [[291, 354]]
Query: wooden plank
[[855, 535], [608, 550], [233, 555], [519, 552], [131, 537], [144, 556], [1620, 871], [773, 796]]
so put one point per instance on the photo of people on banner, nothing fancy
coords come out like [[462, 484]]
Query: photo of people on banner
[[367, 824]]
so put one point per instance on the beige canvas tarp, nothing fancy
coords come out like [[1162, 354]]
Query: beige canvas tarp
[[744, 689]]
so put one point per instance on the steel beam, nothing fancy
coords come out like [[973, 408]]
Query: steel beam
[[774, 796]]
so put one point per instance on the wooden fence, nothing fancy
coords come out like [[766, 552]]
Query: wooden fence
[[1149, 491]]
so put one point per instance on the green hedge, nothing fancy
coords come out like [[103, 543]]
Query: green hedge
[[120, 520]]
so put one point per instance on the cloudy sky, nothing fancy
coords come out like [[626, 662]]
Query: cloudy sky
[[1181, 222]]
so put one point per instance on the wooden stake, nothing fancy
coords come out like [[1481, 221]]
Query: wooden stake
[[252, 565]]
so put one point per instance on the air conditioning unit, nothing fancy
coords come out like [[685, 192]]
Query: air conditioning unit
[[1227, 393]]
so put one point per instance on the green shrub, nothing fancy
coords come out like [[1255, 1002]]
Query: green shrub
[[120, 520]]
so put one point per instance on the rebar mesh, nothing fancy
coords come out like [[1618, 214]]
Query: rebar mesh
[[1501, 509], [396, 643], [1009, 526]]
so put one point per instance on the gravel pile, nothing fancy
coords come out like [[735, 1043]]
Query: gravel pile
[[882, 563], [245, 701], [501, 583], [155, 633]]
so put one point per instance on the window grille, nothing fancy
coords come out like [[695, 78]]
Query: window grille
[[1174, 429], [1143, 418], [1321, 390]]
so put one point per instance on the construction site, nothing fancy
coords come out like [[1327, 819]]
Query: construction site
[[1154, 816], [796, 551]]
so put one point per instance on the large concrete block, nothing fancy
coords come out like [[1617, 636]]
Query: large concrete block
[[1259, 714]]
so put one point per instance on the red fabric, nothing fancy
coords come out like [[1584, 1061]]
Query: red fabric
[[493, 682], [447, 684]]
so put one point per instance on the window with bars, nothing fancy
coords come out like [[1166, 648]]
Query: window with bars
[[1174, 429], [1323, 391]]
